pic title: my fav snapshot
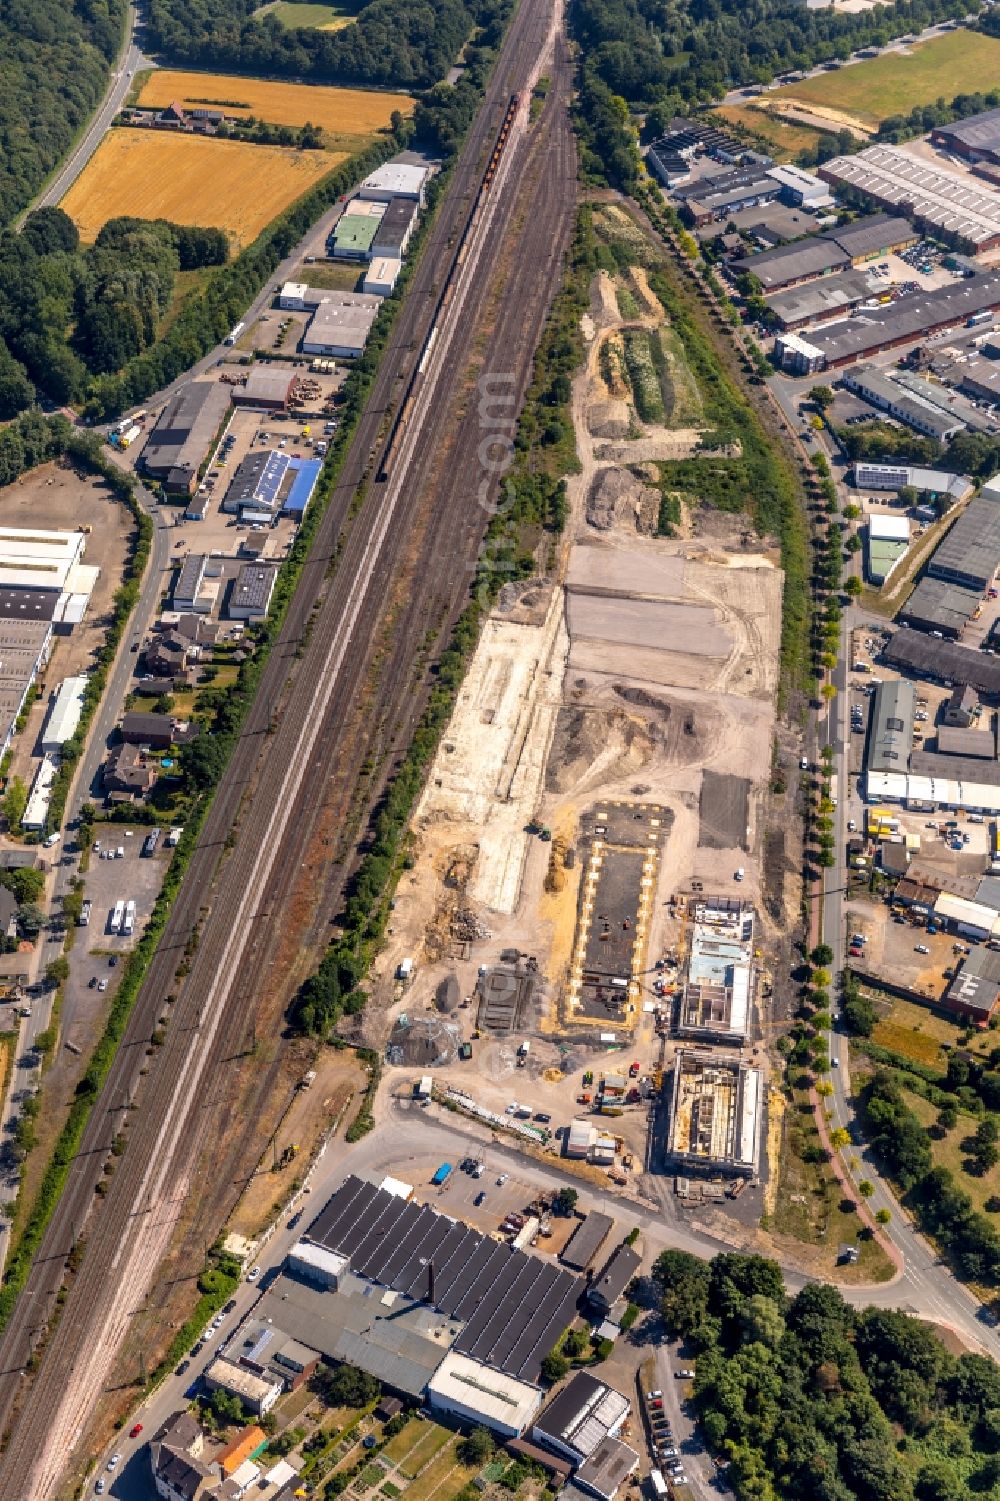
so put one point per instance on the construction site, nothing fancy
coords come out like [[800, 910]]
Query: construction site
[[715, 1114], [606, 767]]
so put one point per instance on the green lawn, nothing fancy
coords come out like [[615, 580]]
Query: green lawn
[[301, 13], [785, 139], [949, 1153], [398, 1447], [444, 1478], [958, 62], [430, 1442]]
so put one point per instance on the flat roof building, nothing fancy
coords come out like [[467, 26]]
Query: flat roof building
[[382, 276], [251, 592], [718, 989], [605, 1471], [267, 389], [395, 229], [341, 324], [891, 740], [474, 1393], [716, 1114], [799, 186], [395, 180], [579, 1418], [587, 1239], [37, 808], [916, 409], [871, 475], [255, 1392], [974, 994], [179, 443], [355, 230]]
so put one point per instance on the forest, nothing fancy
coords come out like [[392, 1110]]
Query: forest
[[809, 1399], [661, 57], [110, 296], [409, 44], [54, 62]]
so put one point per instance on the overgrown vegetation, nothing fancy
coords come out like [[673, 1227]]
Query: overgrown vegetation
[[806, 1397]]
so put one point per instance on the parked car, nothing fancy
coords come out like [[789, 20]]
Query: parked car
[[135, 1430], [253, 1274]]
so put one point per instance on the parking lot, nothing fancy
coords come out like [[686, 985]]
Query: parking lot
[[132, 876]]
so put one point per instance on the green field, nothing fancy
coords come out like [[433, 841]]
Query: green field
[[301, 14], [956, 63], [948, 1152]]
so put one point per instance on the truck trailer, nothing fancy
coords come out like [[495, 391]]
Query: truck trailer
[[442, 1175]]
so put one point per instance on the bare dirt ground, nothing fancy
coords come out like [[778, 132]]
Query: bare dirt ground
[[56, 497], [647, 661], [820, 116]]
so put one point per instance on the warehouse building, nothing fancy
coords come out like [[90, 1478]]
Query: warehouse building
[[937, 483], [974, 994], [267, 389], [716, 1115], [395, 229], [977, 139], [395, 180], [297, 297], [715, 198], [980, 745], [817, 301], [24, 651], [942, 203], [788, 265], [873, 237], [969, 554], [382, 276], [407, 1284], [586, 1240], [184, 433], [269, 483], [717, 997], [355, 230], [909, 319], [938, 606], [197, 586], [799, 187], [37, 808], [251, 592], [891, 740], [888, 540], [462, 1388], [585, 1412], [926, 657], [64, 717], [798, 356], [43, 576], [341, 324], [980, 378], [915, 409]]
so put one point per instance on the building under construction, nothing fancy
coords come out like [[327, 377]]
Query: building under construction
[[716, 1115], [717, 999]]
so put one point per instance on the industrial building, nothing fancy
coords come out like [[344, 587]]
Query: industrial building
[[938, 606], [926, 657], [979, 378], [584, 1413], [888, 539], [872, 475], [916, 409], [799, 187], [37, 808], [974, 993], [462, 1388], [341, 324], [297, 297], [382, 276], [24, 651], [613, 1280], [250, 596], [267, 389], [586, 1240], [897, 772], [43, 576], [977, 139], [716, 1114], [395, 180], [184, 433], [838, 249], [798, 356], [670, 157], [268, 1353], [902, 322], [395, 229], [442, 1286], [716, 1000], [941, 202], [817, 301], [712, 198], [890, 742], [198, 585], [269, 483], [355, 230], [969, 553], [64, 717]]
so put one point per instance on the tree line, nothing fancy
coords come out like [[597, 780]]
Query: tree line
[[665, 57], [68, 312], [808, 1399], [407, 44], [55, 57]]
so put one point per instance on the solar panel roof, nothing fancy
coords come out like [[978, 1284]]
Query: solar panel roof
[[513, 1305]]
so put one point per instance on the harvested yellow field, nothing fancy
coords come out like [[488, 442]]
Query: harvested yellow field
[[191, 179], [341, 112]]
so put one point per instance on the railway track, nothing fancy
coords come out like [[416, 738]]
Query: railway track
[[297, 756]]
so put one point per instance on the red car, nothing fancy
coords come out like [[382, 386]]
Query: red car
[[135, 1430], [633, 1072]]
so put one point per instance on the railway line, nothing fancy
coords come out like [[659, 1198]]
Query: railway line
[[191, 1137]]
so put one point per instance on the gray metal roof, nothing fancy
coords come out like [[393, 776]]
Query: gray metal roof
[[938, 605], [513, 1306], [979, 744], [970, 553], [794, 262], [978, 133], [873, 234], [820, 299], [892, 726], [945, 660], [586, 1240], [910, 317]]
